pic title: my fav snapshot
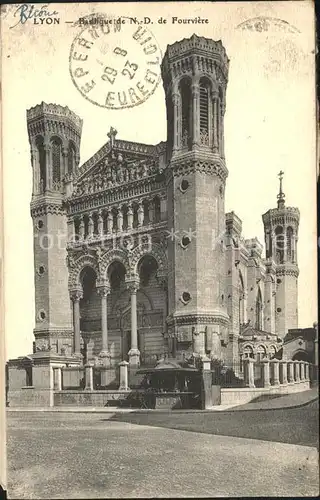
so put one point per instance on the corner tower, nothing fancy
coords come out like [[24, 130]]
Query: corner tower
[[54, 137], [281, 226], [195, 73]]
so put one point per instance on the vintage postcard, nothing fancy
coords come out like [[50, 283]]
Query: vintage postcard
[[160, 245]]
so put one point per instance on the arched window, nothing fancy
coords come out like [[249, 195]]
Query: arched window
[[272, 351], [259, 307], [290, 245], [204, 111], [170, 119], [268, 241], [71, 158], [185, 93], [88, 280], [56, 147], [260, 353], [157, 209], [86, 226], [147, 269], [116, 273], [219, 119], [42, 165], [241, 299], [279, 244]]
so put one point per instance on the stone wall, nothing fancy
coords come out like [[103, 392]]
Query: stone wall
[[89, 398], [245, 395], [29, 396]]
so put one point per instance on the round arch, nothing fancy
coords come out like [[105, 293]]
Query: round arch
[[247, 347], [301, 355], [77, 268], [114, 255], [156, 251]]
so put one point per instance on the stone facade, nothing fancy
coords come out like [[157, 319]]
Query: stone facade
[[134, 254]]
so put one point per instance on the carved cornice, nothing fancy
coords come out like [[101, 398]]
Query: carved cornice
[[287, 270], [188, 163], [47, 208], [283, 216], [195, 54], [131, 191], [198, 319], [52, 334], [62, 112]]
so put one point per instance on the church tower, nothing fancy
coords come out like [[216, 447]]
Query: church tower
[[54, 137], [195, 74], [281, 226]]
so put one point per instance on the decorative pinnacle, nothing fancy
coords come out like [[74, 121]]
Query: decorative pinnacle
[[281, 195], [112, 136]]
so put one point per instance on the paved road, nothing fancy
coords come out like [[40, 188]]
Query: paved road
[[291, 425], [61, 455]]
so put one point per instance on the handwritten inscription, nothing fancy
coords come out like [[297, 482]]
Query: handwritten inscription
[[26, 12]]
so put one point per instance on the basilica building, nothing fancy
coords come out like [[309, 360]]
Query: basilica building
[[134, 254]]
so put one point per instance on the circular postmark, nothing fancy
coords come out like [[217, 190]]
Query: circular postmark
[[262, 23], [115, 62]]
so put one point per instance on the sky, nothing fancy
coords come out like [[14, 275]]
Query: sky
[[269, 123]]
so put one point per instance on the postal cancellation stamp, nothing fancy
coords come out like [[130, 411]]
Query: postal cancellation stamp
[[114, 62]]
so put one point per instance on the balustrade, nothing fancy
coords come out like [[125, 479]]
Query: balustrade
[[275, 372], [249, 372], [119, 218]]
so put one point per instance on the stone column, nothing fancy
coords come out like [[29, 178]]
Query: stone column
[[119, 219], [265, 372], [75, 296], [307, 371], [215, 121], [195, 93], [47, 150], [100, 224], [206, 392], [130, 217], [103, 291], [81, 229], [134, 353], [90, 226], [64, 163], [296, 371], [275, 372], [196, 341], [140, 214], [176, 128], [249, 372], [57, 378], [109, 222], [89, 377], [36, 169], [290, 367], [124, 386], [223, 109], [283, 372]]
